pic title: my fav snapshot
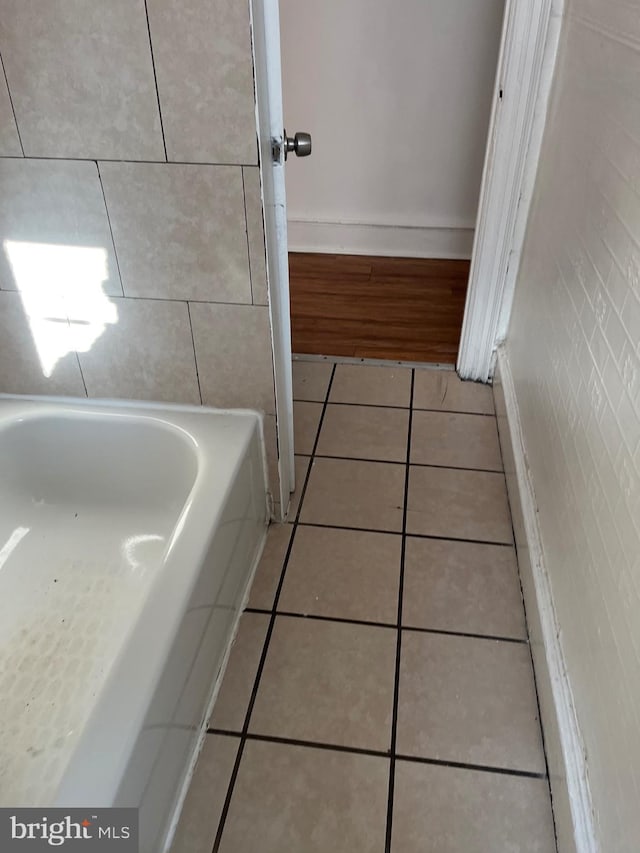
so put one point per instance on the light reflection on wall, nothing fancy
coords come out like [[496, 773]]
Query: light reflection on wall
[[12, 543], [62, 294]]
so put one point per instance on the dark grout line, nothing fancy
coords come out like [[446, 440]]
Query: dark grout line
[[413, 464], [155, 80], [396, 685], [223, 732], [84, 384], [132, 162], [184, 298], [378, 753], [460, 539], [246, 228], [455, 412], [409, 535], [310, 744], [314, 617], [456, 468], [401, 408], [267, 640], [195, 355], [341, 527], [113, 241], [471, 635], [482, 768], [13, 109], [416, 629], [357, 529]]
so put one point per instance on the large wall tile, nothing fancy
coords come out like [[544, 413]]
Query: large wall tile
[[233, 349], [179, 230], [54, 229], [81, 78], [9, 139], [255, 230], [36, 348], [205, 79], [146, 353]]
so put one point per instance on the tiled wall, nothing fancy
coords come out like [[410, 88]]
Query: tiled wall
[[574, 351], [132, 260]]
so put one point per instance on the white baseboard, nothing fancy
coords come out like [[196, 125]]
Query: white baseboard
[[386, 240], [572, 805]]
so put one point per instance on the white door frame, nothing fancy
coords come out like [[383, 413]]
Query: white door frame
[[265, 27], [528, 51], [526, 62]]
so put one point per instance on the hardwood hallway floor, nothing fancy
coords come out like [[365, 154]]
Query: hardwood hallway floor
[[406, 309]]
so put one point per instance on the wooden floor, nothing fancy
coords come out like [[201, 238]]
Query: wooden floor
[[409, 309]]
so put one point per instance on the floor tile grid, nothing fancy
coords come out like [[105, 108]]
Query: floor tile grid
[[527, 642], [392, 755], [245, 728], [275, 610]]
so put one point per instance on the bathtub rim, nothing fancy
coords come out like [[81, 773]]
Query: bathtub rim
[[190, 539]]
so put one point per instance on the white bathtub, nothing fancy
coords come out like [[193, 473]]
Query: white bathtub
[[128, 537]]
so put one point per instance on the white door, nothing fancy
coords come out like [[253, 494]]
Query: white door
[[266, 37], [527, 58]]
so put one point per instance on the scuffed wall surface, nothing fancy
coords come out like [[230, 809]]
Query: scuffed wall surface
[[574, 350]]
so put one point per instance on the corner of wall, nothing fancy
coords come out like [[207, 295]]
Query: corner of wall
[[566, 761]]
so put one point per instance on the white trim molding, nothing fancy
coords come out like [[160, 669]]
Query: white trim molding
[[364, 238], [568, 776], [525, 70]]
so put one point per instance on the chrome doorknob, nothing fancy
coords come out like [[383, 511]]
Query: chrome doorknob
[[300, 143]]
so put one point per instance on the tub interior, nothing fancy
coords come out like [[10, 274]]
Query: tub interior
[[80, 459], [87, 509]]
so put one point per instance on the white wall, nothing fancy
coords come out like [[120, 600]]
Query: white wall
[[397, 97], [573, 348]]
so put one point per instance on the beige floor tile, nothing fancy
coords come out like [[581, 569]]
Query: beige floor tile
[[203, 805], [306, 419], [301, 468], [449, 810], [375, 386], [235, 692], [443, 389], [302, 800], [346, 574], [311, 380], [468, 700], [462, 441], [458, 504], [365, 432], [350, 493], [268, 572], [462, 586], [327, 682]]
